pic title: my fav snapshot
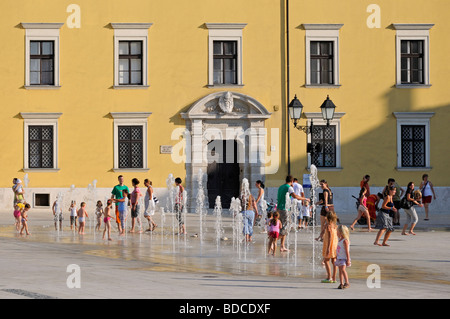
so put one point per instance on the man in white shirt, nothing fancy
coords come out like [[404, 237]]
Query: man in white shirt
[[298, 190]]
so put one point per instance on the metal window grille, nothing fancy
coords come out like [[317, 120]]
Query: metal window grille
[[326, 137], [40, 146], [131, 146], [413, 146]]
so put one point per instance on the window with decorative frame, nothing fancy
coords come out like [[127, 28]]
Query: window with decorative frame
[[130, 140], [42, 55], [225, 63], [412, 54], [413, 140], [329, 138], [131, 55], [40, 141], [322, 55]]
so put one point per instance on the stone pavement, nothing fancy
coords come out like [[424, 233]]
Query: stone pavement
[[165, 266]]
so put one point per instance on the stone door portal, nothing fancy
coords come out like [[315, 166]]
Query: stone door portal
[[223, 172]]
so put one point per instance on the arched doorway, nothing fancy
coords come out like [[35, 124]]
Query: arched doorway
[[229, 123]]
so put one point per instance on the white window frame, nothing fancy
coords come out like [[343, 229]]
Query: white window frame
[[131, 32], [45, 119], [42, 32], [322, 32], [413, 31], [336, 121], [131, 119], [225, 32], [413, 118]]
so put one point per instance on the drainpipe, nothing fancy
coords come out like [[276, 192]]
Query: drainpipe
[[287, 89]]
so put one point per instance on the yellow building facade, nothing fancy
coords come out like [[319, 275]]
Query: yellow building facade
[[95, 89]]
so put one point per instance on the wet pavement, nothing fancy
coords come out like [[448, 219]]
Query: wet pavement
[[163, 265]]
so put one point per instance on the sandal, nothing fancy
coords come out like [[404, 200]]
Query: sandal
[[346, 285], [328, 281]]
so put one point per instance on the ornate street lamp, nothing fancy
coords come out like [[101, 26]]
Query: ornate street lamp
[[328, 108], [295, 109]]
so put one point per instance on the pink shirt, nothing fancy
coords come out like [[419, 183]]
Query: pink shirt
[[275, 228], [364, 201], [134, 195]]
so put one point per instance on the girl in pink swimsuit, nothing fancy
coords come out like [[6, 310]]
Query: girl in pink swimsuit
[[107, 218], [17, 210], [274, 232]]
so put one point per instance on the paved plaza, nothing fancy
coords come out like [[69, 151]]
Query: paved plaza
[[161, 265]]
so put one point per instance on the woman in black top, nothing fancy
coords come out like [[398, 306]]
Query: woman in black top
[[326, 202]]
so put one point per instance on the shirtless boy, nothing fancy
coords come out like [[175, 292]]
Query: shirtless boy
[[82, 214]]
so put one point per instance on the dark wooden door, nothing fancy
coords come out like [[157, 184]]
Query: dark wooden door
[[223, 172]]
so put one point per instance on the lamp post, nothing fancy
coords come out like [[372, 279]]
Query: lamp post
[[295, 109]]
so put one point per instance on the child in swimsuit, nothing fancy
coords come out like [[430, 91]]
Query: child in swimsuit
[[24, 217], [17, 212], [82, 214], [98, 214], [107, 218], [274, 232]]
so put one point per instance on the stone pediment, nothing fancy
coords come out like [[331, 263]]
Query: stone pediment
[[227, 105]]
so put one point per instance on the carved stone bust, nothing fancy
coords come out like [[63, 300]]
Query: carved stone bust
[[226, 103]]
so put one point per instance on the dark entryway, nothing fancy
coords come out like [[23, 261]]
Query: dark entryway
[[223, 172]]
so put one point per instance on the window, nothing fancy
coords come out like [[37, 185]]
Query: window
[[225, 62], [40, 141], [41, 200], [329, 138], [40, 146], [131, 55], [130, 62], [42, 55], [322, 54], [413, 145], [321, 57], [225, 54], [41, 62], [326, 137], [130, 147], [412, 62], [412, 55], [413, 140], [130, 140]]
